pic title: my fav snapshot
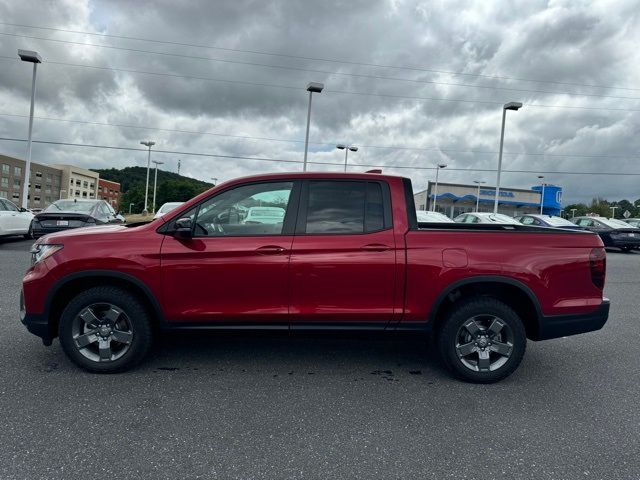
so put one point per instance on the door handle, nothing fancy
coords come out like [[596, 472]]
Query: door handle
[[375, 247], [270, 250]]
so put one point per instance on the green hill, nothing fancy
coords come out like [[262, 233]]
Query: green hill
[[171, 186]]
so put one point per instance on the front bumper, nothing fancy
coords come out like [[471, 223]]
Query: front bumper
[[555, 326], [36, 323]]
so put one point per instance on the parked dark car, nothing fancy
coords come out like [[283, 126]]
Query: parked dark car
[[67, 214], [547, 221], [634, 222], [614, 233]]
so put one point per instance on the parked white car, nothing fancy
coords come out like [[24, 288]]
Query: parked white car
[[483, 217], [166, 208], [268, 215], [432, 217], [14, 220]]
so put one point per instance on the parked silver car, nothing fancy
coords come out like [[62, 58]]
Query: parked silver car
[[483, 217]]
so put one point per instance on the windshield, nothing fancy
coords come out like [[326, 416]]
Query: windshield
[[70, 206], [558, 221], [501, 218], [167, 207], [615, 223]]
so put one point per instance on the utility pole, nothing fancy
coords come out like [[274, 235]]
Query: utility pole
[[178, 166]]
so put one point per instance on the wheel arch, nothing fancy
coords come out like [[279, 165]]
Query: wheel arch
[[508, 290], [73, 284]]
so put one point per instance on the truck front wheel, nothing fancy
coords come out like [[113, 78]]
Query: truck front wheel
[[105, 330], [482, 340]]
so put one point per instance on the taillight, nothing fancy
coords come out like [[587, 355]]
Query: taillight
[[598, 264]]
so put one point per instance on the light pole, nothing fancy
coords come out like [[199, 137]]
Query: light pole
[[435, 196], [155, 184], [312, 87], [215, 180], [507, 106], [541, 177], [346, 152], [478, 182], [573, 212], [130, 205], [147, 144], [613, 211], [31, 57]]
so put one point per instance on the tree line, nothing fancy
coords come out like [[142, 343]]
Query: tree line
[[171, 187], [601, 207]]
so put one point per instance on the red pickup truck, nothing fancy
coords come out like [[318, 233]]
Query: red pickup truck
[[305, 251]]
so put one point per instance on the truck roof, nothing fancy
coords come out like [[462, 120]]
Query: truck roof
[[331, 175]]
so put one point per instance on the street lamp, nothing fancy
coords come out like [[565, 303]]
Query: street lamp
[[155, 183], [541, 177], [215, 180], [147, 144], [613, 211], [478, 182], [435, 196], [130, 205], [312, 87], [346, 152], [573, 212], [35, 58], [507, 106]]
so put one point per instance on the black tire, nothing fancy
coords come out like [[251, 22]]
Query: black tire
[[29, 234], [480, 310], [131, 311]]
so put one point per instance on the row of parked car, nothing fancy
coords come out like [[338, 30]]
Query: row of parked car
[[74, 213], [622, 234], [61, 215]]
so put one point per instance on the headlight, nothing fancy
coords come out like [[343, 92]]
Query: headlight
[[40, 251]]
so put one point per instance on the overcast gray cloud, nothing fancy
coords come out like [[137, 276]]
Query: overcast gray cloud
[[551, 53]]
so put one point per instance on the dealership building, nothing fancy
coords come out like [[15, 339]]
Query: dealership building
[[454, 199]]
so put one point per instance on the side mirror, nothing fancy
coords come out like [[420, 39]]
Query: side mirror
[[22, 209], [183, 228]]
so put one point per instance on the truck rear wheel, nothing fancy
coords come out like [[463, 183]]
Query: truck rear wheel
[[482, 340], [105, 330]]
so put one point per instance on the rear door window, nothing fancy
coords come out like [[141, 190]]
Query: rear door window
[[345, 207], [335, 207]]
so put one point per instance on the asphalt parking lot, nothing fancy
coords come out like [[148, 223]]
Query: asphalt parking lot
[[279, 406]]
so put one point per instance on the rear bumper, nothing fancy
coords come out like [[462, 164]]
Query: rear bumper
[[556, 326], [41, 231], [621, 244]]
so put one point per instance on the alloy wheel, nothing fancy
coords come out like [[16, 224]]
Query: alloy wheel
[[102, 332], [484, 343]]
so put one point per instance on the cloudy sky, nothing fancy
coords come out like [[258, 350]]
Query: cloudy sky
[[412, 84]]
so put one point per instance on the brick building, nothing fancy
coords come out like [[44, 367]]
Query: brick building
[[109, 191]]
